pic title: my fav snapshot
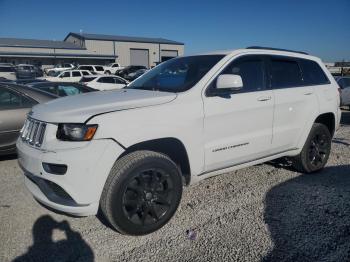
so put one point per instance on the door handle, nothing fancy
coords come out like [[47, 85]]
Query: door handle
[[308, 93], [264, 98]]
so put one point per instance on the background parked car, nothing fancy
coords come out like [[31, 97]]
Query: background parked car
[[25, 71], [8, 72], [92, 68], [68, 76], [104, 82], [344, 84], [61, 88], [129, 69], [132, 76], [59, 68], [112, 68], [15, 103]]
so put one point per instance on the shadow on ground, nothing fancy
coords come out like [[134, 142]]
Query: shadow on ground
[[44, 248], [309, 217], [8, 157]]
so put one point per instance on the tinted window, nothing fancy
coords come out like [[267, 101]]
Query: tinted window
[[12, 100], [99, 68], [50, 89], [76, 74], [89, 68], [108, 80], [119, 81], [285, 73], [65, 74], [176, 75], [87, 79], [251, 71], [312, 73], [85, 73]]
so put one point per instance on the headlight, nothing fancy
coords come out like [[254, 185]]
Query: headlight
[[76, 132]]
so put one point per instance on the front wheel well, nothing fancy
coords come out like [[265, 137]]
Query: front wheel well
[[172, 147], [327, 119]]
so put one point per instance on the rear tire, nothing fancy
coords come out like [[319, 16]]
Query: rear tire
[[142, 192], [315, 153]]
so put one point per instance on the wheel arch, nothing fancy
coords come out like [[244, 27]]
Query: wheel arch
[[170, 146], [327, 119]]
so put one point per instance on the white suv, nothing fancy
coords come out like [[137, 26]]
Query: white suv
[[130, 151]]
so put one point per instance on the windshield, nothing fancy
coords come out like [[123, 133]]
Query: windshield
[[176, 75]]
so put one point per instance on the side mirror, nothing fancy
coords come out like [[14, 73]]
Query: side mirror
[[228, 81]]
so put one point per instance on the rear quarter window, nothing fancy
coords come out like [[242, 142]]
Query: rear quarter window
[[312, 73]]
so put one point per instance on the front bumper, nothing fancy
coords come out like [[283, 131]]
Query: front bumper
[[78, 191]]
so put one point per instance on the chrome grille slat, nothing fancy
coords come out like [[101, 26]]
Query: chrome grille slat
[[33, 132]]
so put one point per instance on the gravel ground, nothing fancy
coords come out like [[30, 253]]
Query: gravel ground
[[262, 213]]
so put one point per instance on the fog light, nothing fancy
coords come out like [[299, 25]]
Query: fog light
[[56, 169]]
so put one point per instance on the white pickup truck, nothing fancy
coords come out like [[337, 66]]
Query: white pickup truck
[[112, 68]]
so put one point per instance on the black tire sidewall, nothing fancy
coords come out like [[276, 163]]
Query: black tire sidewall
[[119, 220], [317, 128]]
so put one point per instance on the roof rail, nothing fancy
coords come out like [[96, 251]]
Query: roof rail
[[277, 49]]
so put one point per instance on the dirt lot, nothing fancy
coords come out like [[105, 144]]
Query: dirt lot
[[266, 212]]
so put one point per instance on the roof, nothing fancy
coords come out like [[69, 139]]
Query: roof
[[270, 51], [34, 43], [123, 38]]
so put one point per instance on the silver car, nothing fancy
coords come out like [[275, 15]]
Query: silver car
[[15, 103], [344, 84]]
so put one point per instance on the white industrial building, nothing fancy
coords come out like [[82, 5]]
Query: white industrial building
[[90, 49]]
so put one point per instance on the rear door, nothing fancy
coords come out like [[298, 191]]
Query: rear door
[[13, 111], [238, 125], [295, 102], [106, 83], [76, 76]]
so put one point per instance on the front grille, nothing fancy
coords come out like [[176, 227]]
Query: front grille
[[33, 132]]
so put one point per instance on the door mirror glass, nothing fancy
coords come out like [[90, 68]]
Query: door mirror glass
[[229, 81]]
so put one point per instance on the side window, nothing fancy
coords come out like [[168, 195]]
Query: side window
[[99, 68], [85, 73], [76, 74], [285, 73], [50, 89], [119, 81], [12, 100], [65, 74], [251, 71], [108, 80], [68, 90], [312, 73]]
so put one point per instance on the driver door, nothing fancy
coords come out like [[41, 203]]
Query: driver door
[[238, 125]]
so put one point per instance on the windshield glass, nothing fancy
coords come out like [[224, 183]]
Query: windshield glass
[[176, 75]]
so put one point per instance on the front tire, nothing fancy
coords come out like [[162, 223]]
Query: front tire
[[142, 192], [107, 73], [315, 153]]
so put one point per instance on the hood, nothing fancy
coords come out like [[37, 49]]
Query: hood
[[78, 108]]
